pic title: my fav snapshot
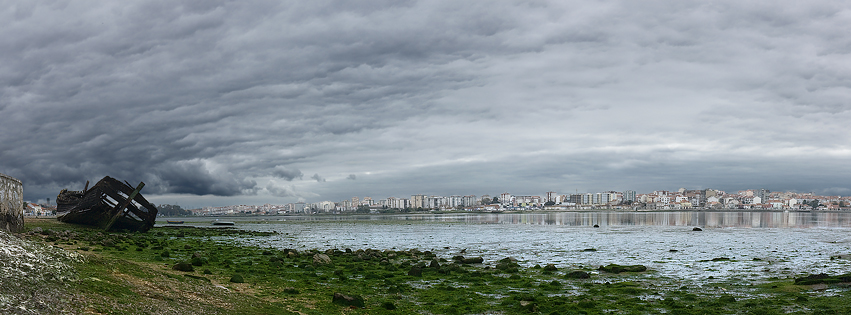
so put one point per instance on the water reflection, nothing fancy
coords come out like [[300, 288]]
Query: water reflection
[[760, 219]]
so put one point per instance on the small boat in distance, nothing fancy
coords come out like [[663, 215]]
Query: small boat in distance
[[173, 222], [217, 222]]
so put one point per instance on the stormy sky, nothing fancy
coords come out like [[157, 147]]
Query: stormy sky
[[248, 102]]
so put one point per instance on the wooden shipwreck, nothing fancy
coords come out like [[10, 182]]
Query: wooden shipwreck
[[110, 204]]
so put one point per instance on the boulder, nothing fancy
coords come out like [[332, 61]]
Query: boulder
[[697, 229], [577, 274], [321, 259], [615, 268], [183, 267], [346, 300], [415, 271]]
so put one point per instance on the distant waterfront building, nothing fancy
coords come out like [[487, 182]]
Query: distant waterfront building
[[470, 201], [552, 196], [762, 194], [629, 195], [418, 201]]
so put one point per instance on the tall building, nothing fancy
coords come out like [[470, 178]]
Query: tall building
[[552, 196], [629, 195], [417, 201], [762, 194]]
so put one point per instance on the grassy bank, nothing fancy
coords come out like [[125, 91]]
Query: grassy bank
[[199, 270]]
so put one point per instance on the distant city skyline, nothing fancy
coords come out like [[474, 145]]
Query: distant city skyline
[[217, 103]]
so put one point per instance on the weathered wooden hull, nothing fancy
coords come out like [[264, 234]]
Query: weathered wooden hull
[[109, 204]]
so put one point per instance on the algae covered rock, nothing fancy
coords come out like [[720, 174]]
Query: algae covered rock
[[577, 274], [823, 278], [321, 259], [615, 268], [237, 278], [346, 300], [186, 267]]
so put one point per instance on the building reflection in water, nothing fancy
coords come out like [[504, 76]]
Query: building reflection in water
[[693, 218]]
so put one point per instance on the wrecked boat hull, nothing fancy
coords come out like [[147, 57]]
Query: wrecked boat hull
[[110, 204]]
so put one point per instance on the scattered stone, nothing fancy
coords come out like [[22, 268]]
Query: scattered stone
[[672, 250], [596, 225], [291, 290], [237, 278], [589, 250], [387, 305], [434, 264], [345, 300], [183, 267], [823, 278], [197, 261], [473, 260], [697, 229], [615, 268], [321, 259], [550, 267], [577, 274]]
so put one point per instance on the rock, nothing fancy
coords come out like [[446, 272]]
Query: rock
[[321, 259], [473, 260], [596, 225], [415, 271], [434, 264], [387, 305], [697, 229], [183, 267], [589, 250], [507, 264], [345, 300], [198, 262], [614, 268], [237, 278], [550, 267], [577, 274]]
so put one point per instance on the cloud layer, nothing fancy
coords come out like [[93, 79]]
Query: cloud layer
[[240, 99]]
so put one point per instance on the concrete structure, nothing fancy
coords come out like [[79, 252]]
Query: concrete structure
[[11, 204]]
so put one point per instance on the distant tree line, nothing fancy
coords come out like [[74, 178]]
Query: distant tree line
[[172, 210]]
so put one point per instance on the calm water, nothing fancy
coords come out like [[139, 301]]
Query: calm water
[[784, 243]]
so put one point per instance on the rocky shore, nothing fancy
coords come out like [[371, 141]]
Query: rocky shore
[[208, 271]]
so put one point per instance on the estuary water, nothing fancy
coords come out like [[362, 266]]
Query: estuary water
[[759, 245]]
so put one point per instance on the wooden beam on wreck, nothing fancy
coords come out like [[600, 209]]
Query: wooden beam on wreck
[[119, 208]]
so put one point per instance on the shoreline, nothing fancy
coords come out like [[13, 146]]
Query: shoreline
[[130, 268]]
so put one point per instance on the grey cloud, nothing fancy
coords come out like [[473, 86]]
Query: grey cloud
[[474, 92], [352, 177], [193, 177], [287, 174], [319, 179]]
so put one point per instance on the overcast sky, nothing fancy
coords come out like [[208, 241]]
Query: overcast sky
[[248, 102]]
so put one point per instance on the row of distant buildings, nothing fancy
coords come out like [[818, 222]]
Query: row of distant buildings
[[682, 199]]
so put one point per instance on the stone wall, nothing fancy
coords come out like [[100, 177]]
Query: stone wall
[[11, 204]]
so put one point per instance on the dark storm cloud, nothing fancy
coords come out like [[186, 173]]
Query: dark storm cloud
[[287, 174], [317, 178], [223, 98]]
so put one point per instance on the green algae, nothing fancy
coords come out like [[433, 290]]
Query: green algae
[[404, 281]]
